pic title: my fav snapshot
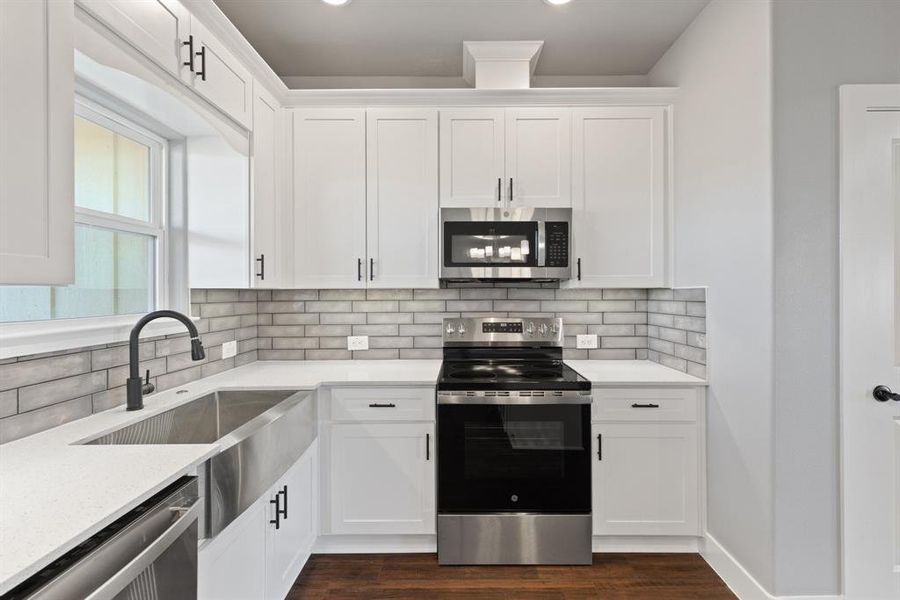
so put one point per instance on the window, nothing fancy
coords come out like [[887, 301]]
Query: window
[[120, 236]]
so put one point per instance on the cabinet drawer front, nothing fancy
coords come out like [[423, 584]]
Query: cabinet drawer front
[[645, 404], [382, 404]]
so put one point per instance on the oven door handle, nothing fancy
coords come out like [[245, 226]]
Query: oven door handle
[[118, 582]]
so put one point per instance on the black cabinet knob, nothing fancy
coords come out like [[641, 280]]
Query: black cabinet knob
[[883, 393]]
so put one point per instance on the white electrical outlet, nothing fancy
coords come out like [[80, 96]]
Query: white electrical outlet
[[586, 342], [357, 342], [229, 349]]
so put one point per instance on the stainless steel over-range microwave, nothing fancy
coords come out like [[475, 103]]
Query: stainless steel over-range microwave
[[506, 243]]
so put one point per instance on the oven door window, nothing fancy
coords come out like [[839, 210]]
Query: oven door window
[[490, 243], [520, 458]]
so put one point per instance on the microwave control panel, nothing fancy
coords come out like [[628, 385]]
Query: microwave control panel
[[557, 243]]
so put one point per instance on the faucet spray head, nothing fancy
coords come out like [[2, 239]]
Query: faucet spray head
[[197, 352]]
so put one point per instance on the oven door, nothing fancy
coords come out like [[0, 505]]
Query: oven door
[[514, 458]]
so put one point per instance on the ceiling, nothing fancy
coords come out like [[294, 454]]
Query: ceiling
[[423, 38]]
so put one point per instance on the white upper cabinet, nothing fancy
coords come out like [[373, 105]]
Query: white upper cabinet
[[646, 479], [402, 197], [539, 157], [382, 478], [159, 28], [619, 197], [329, 198], [472, 157], [220, 77], [36, 142], [268, 210]]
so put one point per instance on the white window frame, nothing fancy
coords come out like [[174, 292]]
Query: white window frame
[[34, 337]]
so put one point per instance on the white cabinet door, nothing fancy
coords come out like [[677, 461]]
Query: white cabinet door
[[646, 479], [220, 77], [288, 547], [157, 28], [329, 198], [539, 157], [232, 566], [402, 197], [382, 478], [619, 201], [472, 166], [37, 203], [268, 211]]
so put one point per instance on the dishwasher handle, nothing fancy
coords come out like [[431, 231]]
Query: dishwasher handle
[[187, 516]]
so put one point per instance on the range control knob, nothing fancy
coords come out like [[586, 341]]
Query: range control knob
[[530, 328], [554, 329], [461, 329], [542, 329], [450, 329]]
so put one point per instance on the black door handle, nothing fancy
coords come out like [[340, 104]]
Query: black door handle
[[377, 405], [190, 44], [283, 511], [359, 269], [262, 267], [499, 187], [277, 520], [883, 393], [427, 446], [371, 269], [202, 71], [578, 262], [510, 190], [651, 405], [599, 446]]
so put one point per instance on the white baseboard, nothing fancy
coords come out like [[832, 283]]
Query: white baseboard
[[737, 578], [645, 543], [375, 544]]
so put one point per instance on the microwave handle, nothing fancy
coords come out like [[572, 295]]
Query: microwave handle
[[541, 244]]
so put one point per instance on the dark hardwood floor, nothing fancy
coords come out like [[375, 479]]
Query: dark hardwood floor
[[408, 576]]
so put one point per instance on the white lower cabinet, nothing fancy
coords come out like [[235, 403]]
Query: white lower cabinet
[[646, 479], [382, 478], [252, 558]]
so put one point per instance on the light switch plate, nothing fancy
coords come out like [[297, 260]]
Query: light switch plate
[[586, 342], [357, 342], [229, 349]]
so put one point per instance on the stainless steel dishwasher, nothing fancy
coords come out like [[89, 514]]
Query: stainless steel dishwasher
[[148, 554]]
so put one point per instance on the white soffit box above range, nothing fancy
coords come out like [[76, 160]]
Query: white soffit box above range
[[500, 65]]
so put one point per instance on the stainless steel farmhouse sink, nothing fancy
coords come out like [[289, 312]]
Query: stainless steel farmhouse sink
[[261, 434]]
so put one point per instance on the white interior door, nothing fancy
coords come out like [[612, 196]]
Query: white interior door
[[870, 339]]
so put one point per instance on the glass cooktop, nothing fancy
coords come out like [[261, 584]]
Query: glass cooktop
[[509, 375]]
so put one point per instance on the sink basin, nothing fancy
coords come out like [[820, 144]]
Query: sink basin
[[260, 434], [204, 420]]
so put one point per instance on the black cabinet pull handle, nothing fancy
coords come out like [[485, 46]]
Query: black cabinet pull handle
[[427, 446], [650, 405], [262, 267], [283, 511], [202, 55], [578, 262], [499, 188], [277, 520], [371, 269], [599, 446], [883, 393], [359, 269], [377, 405], [510, 190], [190, 44]]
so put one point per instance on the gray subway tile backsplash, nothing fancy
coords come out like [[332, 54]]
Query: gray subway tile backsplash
[[41, 391]]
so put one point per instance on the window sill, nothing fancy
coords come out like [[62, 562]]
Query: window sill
[[38, 337]]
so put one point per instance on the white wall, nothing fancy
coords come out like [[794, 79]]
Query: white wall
[[817, 47], [723, 233]]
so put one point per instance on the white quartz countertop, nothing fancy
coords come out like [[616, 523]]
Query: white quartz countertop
[[55, 493]]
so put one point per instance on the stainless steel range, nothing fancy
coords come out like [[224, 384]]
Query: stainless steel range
[[513, 459]]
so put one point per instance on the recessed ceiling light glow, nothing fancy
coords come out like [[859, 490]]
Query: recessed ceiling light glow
[[557, 2], [341, 2]]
